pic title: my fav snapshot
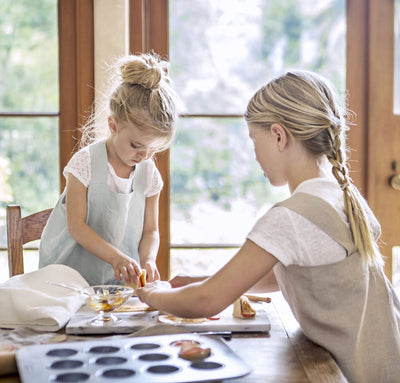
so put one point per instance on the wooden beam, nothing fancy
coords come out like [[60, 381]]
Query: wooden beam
[[138, 26], [149, 32], [357, 86], [384, 132], [76, 73]]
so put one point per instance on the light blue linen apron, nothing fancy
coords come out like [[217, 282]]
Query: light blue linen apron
[[117, 218]]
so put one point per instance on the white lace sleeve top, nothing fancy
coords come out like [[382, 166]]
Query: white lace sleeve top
[[80, 167]]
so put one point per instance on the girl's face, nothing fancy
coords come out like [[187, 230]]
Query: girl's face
[[129, 144], [268, 154]]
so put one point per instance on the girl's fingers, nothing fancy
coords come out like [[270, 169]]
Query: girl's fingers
[[153, 275], [133, 273], [150, 275], [124, 273], [117, 275], [130, 272]]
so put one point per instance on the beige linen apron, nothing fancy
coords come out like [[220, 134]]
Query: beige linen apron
[[348, 307]]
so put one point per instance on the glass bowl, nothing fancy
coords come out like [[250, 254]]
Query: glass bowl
[[104, 299]]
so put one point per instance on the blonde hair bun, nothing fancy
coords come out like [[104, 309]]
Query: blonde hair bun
[[139, 94], [145, 70]]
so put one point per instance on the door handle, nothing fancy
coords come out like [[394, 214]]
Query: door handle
[[394, 181]]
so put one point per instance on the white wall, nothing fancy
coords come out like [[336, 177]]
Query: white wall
[[111, 40]]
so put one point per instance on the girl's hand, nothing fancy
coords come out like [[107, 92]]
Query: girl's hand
[[183, 280], [146, 293], [152, 273], [125, 268]]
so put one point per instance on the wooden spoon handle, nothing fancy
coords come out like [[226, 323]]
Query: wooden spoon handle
[[257, 298]]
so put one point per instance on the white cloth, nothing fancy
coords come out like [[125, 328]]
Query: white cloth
[[27, 300], [80, 167], [293, 239]]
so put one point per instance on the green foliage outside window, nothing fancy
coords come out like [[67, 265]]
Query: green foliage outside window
[[221, 52], [29, 172]]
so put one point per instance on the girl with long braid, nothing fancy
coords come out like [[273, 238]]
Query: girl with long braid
[[319, 245]]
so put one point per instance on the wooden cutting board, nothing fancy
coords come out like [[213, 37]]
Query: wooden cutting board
[[137, 320]]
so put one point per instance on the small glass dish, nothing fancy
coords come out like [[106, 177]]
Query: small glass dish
[[104, 299]]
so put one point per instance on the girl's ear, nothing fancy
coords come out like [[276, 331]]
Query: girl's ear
[[112, 125], [280, 136]]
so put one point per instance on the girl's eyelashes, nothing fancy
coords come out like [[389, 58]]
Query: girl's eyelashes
[[135, 146]]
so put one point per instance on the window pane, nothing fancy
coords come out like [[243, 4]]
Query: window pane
[[28, 56], [3, 266], [29, 174], [29, 155], [217, 187], [199, 261], [31, 262], [29, 171], [222, 51]]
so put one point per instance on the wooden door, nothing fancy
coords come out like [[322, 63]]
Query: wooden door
[[383, 136]]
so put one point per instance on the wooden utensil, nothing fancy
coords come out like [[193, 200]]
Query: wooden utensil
[[257, 298]]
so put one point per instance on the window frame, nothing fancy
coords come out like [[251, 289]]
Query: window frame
[[76, 73], [148, 31]]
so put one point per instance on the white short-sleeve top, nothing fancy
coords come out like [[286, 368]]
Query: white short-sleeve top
[[293, 239], [80, 167]]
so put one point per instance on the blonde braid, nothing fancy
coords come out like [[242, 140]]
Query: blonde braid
[[359, 224]]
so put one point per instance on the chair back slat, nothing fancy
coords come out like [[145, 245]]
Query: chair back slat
[[33, 225], [21, 231]]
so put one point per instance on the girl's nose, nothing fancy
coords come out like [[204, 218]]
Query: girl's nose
[[143, 154]]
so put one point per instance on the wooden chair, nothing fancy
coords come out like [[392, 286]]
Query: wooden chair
[[21, 231]]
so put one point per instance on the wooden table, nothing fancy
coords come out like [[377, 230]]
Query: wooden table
[[284, 355]]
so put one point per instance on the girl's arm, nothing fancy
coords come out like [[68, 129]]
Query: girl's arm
[[150, 242], [76, 212], [183, 279], [267, 284], [209, 297]]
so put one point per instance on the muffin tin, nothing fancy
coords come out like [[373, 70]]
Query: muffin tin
[[141, 359]]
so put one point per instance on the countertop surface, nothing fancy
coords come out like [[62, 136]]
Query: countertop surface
[[282, 355]]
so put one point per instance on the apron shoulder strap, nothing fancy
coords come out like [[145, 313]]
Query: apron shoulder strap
[[323, 215], [99, 162]]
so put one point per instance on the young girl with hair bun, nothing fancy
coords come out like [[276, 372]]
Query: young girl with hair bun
[[320, 244], [105, 223]]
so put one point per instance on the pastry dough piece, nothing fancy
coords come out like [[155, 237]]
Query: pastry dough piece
[[194, 353], [242, 309], [135, 307], [191, 350], [142, 281], [142, 278], [172, 319]]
